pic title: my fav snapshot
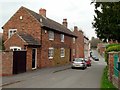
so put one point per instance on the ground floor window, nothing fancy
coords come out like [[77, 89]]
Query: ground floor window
[[51, 53], [62, 52], [15, 48]]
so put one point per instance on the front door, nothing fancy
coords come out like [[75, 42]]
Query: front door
[[34, 58]]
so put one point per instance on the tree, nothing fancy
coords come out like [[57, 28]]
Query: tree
[[94, 42], [107, 21]]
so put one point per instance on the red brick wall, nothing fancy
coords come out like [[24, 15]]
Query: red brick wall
[[115, 80], [7, 63], [15, 40], [28, 24], [79, 43], [56, 44], [111, 65], [29, 59]]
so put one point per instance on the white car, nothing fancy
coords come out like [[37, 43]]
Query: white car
[[79, 63]]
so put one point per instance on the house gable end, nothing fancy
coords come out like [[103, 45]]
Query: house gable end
[[23, 21]]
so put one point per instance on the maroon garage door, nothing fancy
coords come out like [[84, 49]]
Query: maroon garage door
[[19, 62]]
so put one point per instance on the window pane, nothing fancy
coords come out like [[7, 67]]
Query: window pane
[[73, 40], [11, 32], [51, 52], [62, 52], [62, 37], [51, 35]]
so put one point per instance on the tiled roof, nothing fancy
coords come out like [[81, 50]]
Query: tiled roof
[[28, 39], [48, 23]]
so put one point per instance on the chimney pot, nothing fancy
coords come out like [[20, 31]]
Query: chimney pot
[[65, 22], [42, 12], [75, 28]]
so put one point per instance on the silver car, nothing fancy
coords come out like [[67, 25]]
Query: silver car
[[79, 63]]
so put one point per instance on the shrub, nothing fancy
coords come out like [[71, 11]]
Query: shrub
[[109, 48]]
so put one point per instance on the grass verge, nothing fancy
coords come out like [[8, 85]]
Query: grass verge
[[105, 83]]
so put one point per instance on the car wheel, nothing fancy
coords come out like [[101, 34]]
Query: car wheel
[[72, 67], [83, 68]]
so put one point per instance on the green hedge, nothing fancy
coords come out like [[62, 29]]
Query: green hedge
[[110, 45], [109, 48], [105, 83], [113, 48]]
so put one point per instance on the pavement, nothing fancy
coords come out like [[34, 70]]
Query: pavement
[[7, 80]]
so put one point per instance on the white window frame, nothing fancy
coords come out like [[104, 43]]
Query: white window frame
[[15, 47], [73, 52], [51, 53], [73, 39], [11, 32], [62, 54], [62, 37], [51, 35]]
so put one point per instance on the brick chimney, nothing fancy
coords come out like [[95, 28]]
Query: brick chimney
[[42, 12], [65, 22]]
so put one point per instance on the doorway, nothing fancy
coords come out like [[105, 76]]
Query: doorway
[[34, 58]]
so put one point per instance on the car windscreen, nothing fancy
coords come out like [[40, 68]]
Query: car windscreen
[[78, 59]]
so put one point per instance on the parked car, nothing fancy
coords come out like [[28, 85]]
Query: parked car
[[90, 53], [96, 58], [93, 56], [79, 63], [88, 61]]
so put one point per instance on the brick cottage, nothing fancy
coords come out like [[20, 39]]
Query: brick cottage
[[47, 43]]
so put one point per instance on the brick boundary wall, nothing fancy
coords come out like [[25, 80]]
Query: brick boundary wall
[[115, 80], [7, 63]]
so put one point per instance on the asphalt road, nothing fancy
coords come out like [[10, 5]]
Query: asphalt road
[[68, 78]]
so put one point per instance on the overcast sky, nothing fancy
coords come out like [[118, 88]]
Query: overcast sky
[[78, 12]]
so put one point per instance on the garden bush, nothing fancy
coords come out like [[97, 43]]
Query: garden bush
[[110, 48]]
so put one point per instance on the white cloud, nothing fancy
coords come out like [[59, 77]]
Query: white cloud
[[78, 12]]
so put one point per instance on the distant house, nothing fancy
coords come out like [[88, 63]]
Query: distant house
[[79, 47], [86, 46], [101, 47], [47, 43]]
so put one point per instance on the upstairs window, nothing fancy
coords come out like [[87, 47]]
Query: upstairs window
[[73, 39], [62, 52], [51, 35], [11, 32], [51, 53], [62, 37]]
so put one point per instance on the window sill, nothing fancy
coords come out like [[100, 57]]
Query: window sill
[[51, 39], [62, 41], [50, 57], [62, 56]]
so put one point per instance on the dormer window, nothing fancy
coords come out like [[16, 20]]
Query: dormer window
[[62, 37], [51, 35], [40, 19], [11, 32]]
